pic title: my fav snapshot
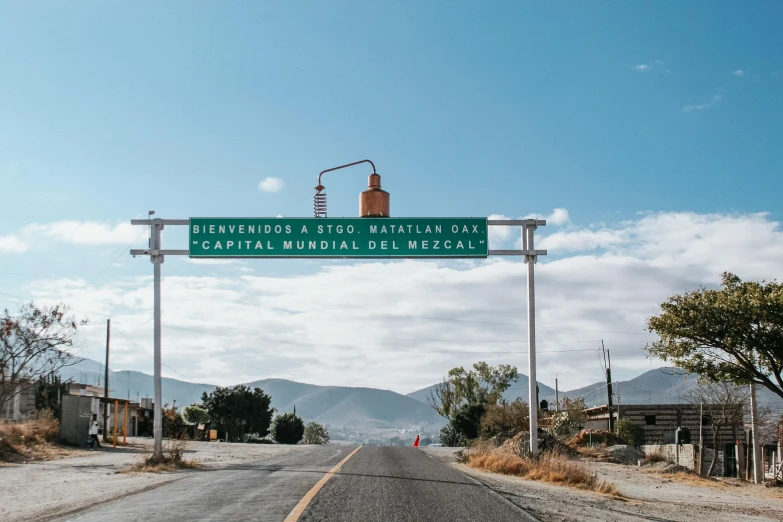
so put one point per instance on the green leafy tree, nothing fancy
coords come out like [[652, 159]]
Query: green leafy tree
[[288, 428], [314, 433], [238, 410], [195, 414], [464, 396], [483, 385], [731, 334], [630, 433]]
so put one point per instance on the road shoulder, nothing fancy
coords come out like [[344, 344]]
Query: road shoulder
[[45, 490]]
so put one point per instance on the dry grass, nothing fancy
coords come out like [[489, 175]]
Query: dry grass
[[35, 439], [693, 479], [596, 452], [656, 456], [547, 467], [172, 460]]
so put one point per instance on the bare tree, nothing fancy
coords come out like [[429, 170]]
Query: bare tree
[[33, 344], [722, 404]]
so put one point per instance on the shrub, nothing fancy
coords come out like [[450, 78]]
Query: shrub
[[173, 458], [449, 437], [32, 437], [505, 417], [314, 433], [656, 456], [288, 428], [630, 433]]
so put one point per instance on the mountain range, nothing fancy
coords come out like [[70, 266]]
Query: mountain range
[[342, 406], [331, 405]]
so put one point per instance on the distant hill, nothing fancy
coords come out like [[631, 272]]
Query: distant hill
[[659, 386], [342, 406], [333, 405], [130, 384]]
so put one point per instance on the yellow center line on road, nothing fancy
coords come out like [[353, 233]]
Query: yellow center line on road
[[294, 515]]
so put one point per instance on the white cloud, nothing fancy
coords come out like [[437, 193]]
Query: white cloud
[[559, 216], [12, 245], [82, 232], [373, 323], [581, 240], [271, 184], [704, 106], [654, 65], [738, 72]]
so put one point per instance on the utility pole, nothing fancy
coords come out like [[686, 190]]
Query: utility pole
[[530, 259], [608, 361], [557, 397], [157, 259], [758, 465], [106, 385]]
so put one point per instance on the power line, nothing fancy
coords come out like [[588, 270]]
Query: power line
[[522, 325], [150, 353], [480, 341], [204, 330], [319, 345], [124, 250]]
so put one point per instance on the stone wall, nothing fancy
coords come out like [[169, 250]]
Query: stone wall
[[687, 455]]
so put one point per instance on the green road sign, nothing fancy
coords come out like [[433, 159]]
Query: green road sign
[[338, 237]]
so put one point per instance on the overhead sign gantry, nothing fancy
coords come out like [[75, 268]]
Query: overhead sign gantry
[[373, 235]]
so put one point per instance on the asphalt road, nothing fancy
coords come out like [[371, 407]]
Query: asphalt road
[[383, 484], [264, 490], [377, 484]]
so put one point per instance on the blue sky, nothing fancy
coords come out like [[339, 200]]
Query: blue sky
[[606, 109]]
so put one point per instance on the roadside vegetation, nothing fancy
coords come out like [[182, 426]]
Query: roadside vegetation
[[35, 439], [496, 432], [288, 428], [238, 411], [173, 459], [549, 466], [732, 334], [314, 433]]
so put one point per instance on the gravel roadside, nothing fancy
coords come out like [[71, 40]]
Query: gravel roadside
[[649, 497], [44, 490]]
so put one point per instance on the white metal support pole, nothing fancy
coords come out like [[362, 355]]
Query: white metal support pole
[[157, 259], [758, 465], [527, 240]]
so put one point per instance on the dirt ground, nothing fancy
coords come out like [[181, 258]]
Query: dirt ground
[[647, 496], [45, 490]]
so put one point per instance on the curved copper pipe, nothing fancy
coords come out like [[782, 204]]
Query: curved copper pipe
[[342, 167]]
